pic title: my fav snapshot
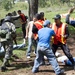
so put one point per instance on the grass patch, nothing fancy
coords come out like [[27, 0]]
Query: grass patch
[[15, 7], [49, 14]]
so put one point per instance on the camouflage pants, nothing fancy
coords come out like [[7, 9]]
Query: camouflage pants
[[8, 47]]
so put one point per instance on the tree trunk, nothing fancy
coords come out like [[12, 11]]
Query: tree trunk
[[33, 8], [13, 1]]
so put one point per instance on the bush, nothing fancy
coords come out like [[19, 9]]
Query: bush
[[7, 5]]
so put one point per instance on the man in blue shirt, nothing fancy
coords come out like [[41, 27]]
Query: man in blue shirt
[[43, 48]]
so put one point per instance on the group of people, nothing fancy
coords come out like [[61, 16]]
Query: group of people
[[8, 34], [40, 32]]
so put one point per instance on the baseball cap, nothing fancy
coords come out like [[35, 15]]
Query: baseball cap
[[42, 13], [37, 16], [57, 16], [46, 22]]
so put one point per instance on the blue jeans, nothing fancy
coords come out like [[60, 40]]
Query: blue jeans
[[30, 42], [41, 51]]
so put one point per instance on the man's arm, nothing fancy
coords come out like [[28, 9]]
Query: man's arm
[[66, 32], [27, 30], [53, 33], [15, 17]]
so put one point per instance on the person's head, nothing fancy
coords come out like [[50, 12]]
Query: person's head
[[57, 19], [46, 23], [42, 15], [38, 16], [9, 14], [19, 12], [8, 18], [34, 18]]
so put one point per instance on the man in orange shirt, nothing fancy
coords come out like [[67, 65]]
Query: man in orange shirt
[[59, 40], [42, 16], [23, 21], [37, 26]]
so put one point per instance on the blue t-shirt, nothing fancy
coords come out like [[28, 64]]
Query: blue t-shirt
[[44, 36]]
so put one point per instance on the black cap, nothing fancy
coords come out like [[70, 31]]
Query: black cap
[[42, 13], [19, 11], [57, 16], [38, 16], [9, 14]]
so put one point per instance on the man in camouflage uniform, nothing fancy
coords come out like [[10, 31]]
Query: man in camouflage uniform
[[6, 31]]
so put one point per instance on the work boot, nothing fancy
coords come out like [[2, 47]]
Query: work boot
[[61, 74], [35, 71], [74, 66], [3, 69], [8, 64]]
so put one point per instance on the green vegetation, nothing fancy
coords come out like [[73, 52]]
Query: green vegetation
[[50, 11], [15, 7], [48, 3]]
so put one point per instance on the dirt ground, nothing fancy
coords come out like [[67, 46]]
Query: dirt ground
[[23, 66]]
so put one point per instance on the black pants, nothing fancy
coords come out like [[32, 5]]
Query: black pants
[[24, 30], [65, 50]]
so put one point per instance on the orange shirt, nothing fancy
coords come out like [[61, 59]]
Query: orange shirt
[[39, 25], [60, 32], [23, 19]]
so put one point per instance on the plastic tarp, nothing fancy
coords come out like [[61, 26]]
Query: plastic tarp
[[68, 62], [19, 46], [65, 60]]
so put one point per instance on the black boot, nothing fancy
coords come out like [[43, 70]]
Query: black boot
[[3, 69], [61, 74], [74, 66], [8, 65]]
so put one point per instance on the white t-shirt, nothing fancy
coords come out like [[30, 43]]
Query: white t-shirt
[[30, 25]]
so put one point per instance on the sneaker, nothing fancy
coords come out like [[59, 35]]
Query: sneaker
[[3, 69], [35, 71], [61, 74], [28, 57]]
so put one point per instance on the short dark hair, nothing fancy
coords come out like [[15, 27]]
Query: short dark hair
[[9, 14], [42, 13], [38, 16], [19, 11]]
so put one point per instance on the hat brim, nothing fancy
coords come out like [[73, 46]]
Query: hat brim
[[55, 18]]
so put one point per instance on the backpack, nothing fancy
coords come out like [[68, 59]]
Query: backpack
[[5, 30], [23, 17], [26, 17], [34, 29]]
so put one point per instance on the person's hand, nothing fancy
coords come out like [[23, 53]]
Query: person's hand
[[26, 37], [71, 10], [64, 36]]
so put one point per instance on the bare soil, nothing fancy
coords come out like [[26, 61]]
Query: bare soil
[[23, 66]]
